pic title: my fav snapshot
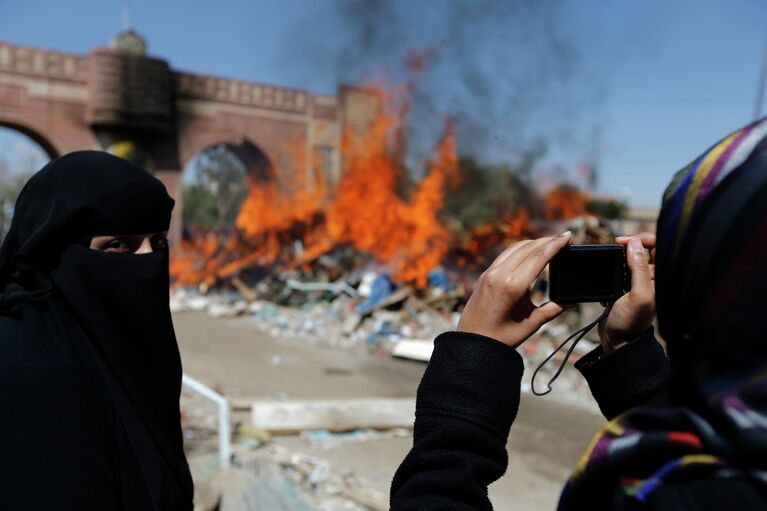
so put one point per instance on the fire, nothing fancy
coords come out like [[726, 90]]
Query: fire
[[271, 207], [517, 225], [485, 241], [366, 212], [267, 220], [564, 201], [194, 262], [290, 217], [369, 214]]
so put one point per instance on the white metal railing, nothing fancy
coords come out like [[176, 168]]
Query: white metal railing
[[224, 425]]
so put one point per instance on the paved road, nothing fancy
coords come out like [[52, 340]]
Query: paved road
[[231, 355]]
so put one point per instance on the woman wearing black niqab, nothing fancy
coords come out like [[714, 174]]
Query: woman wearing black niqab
[[90, 373]]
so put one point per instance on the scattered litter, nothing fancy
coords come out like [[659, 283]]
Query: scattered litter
[[346, 302], [253, 436], [382, 287]]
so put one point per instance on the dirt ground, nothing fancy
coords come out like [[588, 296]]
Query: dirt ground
[[232, 356]]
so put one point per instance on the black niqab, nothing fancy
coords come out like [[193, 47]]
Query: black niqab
[[90, 372]]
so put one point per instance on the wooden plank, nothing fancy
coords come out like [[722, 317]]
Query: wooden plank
[[333, 414], [398, 295], [414, 349]]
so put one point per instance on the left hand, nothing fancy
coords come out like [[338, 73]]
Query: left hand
[[633, 313], [500, 307]]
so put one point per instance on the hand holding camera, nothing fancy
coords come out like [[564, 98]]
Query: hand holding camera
[[633, 313], [622, 276], [500, 307]]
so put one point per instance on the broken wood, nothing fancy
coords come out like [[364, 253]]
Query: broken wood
[[398, 295], [333, 415], [247, 292]]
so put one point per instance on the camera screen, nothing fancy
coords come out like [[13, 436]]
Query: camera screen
[[587, 274], [590, 273]]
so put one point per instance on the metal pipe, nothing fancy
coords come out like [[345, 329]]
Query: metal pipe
[[224, 424]]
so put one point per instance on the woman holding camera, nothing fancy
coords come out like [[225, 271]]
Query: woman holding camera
[[688, 427]]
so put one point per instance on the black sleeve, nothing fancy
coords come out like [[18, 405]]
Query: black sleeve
[[466, 402], [638, 374]]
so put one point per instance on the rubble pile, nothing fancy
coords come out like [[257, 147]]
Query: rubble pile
[[376, 313], [361, 308], [278, 471]]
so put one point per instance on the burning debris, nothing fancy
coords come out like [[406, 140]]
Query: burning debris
[[357, 268], [293, 222], [370, 263], [292, 226], [362, 263]]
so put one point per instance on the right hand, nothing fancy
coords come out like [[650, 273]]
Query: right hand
[[500, 306], [633, 313]]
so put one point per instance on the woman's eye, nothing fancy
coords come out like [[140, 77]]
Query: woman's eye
[[117, 246], [160, 243]]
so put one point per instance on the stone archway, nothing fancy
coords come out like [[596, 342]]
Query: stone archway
[[22, 153], [215, 182], [34, 133]]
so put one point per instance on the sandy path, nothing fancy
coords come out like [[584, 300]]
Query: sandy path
[[231, 355]]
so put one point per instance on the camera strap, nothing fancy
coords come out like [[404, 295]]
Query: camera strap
[[578, 335]]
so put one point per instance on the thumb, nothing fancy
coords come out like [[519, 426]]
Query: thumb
[[641, 278], [545, 313]]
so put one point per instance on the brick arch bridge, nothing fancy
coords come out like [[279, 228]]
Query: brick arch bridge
[[69, 102]]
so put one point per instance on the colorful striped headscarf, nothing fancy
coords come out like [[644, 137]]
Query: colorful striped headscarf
[[711, 294]]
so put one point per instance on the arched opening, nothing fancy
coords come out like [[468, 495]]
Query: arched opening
[[17, 133], [21, 155], [241, 216], [216, 181]]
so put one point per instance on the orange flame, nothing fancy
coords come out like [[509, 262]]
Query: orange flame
[[366, 210], [485, 241], [265, 222], [369, 214], [271, 208], [564, 202]]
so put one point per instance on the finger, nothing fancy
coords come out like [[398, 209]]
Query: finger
[[504, 267], [505, 274], [538, 257], [519, 257], [648, 242], [641, 277], [510, 250], [515, 258], [647, 239]]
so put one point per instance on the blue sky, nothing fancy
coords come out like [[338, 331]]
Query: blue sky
[[644, 86]]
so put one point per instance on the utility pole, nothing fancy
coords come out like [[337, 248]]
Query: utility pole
[[761, 85]]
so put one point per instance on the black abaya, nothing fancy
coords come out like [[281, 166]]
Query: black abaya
[[90, 373]]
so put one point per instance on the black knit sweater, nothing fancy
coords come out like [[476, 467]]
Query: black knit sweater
[[468, 400]]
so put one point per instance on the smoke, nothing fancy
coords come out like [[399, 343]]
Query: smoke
[[503, 70]]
